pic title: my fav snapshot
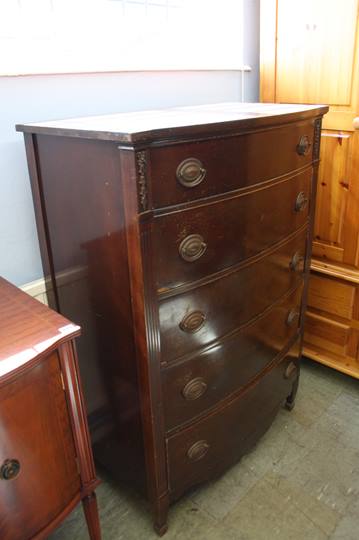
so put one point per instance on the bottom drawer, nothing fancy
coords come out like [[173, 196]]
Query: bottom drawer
[[206, 448]]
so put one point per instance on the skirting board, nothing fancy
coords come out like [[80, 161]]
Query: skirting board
[[38, 288]]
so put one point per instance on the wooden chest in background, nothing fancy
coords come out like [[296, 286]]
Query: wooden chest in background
[[180, 241], [296, 68]]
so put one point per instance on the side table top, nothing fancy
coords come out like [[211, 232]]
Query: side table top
[[28, 328]]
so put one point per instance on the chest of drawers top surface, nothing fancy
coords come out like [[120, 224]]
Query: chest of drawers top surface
[[149, 126], [181, 238]]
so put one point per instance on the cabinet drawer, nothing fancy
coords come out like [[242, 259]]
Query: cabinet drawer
[[206, 448], [191, 244], [196, 317], [36, 434], [189, 171], [194, 385]]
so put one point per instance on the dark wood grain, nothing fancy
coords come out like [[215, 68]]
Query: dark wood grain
[[233, 229], [230, 300], [176, 123], [84, 205], [250, 159], [230, 431], [145, 314], [230, 363]]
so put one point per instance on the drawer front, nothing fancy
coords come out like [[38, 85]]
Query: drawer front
[[36, 440], [191, 387], [193, 319], [191, 244], [189, 171], [208, 447]]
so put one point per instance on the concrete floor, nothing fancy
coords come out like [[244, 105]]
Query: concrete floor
[[300, 482]]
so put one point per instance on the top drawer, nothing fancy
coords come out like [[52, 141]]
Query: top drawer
[[189, 171]]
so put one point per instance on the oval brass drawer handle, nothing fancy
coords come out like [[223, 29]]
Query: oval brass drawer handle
[[190, 172], [198, 450], [296, 260], [192, 322], [293, 316], [194, 389], [9, 469], [290, 370], [301, 202], [192, 247], [304, 145]]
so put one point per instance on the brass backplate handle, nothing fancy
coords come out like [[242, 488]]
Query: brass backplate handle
[[192, 322], [190, 172], [194, 389], [9, 469], [296, 261], [290, 370], [198, 450], [301, 202], [192, 247], [293, 316], [304, 145]]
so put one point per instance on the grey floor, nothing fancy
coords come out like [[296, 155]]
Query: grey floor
[[300, 482]]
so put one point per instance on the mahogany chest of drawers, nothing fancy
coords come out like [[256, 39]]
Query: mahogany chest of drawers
[[46, 464], [180, 241]]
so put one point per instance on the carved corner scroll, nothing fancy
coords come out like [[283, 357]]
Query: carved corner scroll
[[316, 143], [141, 161]]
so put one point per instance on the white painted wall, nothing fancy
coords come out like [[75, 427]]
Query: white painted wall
[[36, 98]]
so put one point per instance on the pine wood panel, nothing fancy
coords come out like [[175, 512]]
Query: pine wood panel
[[325, 333], [331, 196], [351, 217], [315, 54], [332, 322], [331, 296], [310, 53], [337, 208], [268, 50]]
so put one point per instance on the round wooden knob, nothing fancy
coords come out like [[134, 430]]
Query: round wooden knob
[[9, 469], [296, 260], [290, 370], [356, 122], [301, 202], [194, 389], [303, 145], [192, 322], [192, 247], [190, 172], [198, 450], [292, 317]]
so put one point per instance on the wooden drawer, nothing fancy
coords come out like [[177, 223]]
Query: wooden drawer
[[191, 244], [36, 432], [194, 385], [204, 449], [198, 316], [225, 164]]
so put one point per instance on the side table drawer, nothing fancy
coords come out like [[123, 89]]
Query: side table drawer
[[39, 475]]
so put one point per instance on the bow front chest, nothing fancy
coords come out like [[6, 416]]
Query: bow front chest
[[180, 241]]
